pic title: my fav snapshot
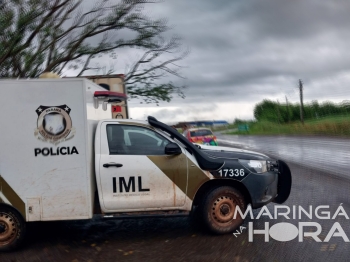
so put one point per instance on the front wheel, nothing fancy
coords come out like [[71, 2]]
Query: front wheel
[[219, 208], [12, 228]]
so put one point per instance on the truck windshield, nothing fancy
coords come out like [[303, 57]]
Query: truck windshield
[[202, 132]]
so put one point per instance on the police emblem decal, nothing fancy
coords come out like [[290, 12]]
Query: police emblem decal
[[54, 124]]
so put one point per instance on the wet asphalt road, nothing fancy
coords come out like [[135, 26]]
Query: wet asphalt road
[[173, 239], [329, 154]]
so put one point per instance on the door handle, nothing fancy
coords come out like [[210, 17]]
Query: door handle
[[112, 164]]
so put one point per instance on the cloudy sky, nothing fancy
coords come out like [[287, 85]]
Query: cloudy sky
[[245, 51]]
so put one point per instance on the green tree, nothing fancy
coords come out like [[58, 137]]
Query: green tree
[[54, 35], [266, 111]]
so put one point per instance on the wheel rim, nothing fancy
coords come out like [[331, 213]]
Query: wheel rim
[[8, 228], [223, 209]]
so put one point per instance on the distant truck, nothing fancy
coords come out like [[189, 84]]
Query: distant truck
[[63, 158]]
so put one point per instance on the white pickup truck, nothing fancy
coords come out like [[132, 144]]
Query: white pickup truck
[[63, 158]]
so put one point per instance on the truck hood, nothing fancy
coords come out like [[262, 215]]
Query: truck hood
[[208, 158], [231, 153]]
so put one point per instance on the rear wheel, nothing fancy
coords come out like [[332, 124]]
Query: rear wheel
[[219, 209], [12, 228]]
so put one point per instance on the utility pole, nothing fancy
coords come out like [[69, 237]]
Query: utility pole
[[301, 102], [288, 113]]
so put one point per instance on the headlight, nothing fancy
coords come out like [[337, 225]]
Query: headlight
[[256, 166]]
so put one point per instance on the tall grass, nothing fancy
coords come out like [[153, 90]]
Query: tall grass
[[335, 126]]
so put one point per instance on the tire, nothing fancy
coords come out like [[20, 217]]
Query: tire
[[218, 209], [195, 219], [12, 228]]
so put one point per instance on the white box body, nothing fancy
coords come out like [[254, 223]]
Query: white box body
[[47, 147]]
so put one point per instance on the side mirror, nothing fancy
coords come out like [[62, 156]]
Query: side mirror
[[172, 149]]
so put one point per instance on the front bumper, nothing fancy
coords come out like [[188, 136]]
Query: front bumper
[[261, 187], [270, 186]]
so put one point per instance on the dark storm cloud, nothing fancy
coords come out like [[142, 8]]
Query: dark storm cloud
[[295, 19], [246, 51], [246, 44]]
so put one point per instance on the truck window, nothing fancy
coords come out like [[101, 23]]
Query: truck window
[[201, 132], [134, 140]]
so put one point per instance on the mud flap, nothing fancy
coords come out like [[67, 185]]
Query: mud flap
[[284, 182]]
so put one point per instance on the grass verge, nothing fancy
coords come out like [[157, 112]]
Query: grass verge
[[332, 126]]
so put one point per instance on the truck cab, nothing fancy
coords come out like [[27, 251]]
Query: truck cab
[[133, 172]]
